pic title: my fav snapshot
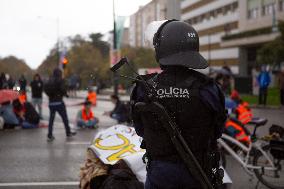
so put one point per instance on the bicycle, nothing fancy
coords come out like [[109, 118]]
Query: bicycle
[[260, 158]]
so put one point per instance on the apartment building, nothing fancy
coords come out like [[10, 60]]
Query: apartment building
[[257, 25], [154, 10], [213, 19], [229, 29]]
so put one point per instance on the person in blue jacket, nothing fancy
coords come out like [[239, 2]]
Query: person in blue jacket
[[263, 81]]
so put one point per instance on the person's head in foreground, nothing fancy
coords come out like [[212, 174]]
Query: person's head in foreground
[[176, 43], [114, 99]]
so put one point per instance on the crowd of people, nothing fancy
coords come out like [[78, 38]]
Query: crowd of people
[[27, 114], [184, 101], [19, 111], [226, 80]]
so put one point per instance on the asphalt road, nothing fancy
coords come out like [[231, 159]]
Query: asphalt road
[[241, 180], [28, 161]]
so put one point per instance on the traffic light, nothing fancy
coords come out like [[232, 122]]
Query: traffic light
[[64, 62]]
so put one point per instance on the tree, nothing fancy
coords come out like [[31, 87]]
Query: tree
[[138, 58], [97, 42], [272, 52], [87, 62], [90, 60], [49, 64], [84, 60], [15, 67]]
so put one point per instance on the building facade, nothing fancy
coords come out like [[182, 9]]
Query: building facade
[[257, 25], [213, 19], [228, 29], [154, 10]]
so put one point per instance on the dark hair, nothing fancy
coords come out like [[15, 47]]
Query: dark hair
[[87, 102], [37, 75], [17, 105], [2, 75], [57, 73], [114, 97]]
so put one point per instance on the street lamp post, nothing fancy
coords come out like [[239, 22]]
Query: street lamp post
[[274, 19], [115, 79], [209, 51], [58, 41]]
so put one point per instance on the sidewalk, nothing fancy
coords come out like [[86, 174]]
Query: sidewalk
[[256, 106]]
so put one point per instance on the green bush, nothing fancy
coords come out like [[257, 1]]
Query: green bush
[[273, 98]]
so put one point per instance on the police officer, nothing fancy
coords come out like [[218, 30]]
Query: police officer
[[192, 100]]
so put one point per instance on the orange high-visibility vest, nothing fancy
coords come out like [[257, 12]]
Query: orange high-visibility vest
[[244, 113], [86, 116], [241, 136], [22, 98], [92, 97]]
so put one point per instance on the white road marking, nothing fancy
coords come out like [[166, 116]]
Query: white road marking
[[78, 143], [41, 184]]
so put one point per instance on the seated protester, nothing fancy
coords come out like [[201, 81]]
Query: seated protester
[[92, 97], [230, 105], [85, 117], [242, 111], [119, 112], [236, 97], [236, 130], [8, 115], [22, 96], [26, 114]]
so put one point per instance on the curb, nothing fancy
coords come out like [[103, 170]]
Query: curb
[[265, 107]]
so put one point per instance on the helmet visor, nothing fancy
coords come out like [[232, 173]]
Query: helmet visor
[[150, 31]]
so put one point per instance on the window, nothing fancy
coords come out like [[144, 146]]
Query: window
[[219, 11], [194, 20], [212, 14], [198, 19], [281, 5], [227, 28], [227, 9], [189, 21], [253, 13], [224, 10], [215, 13], [268, 9], [235, 6], [207, 16], [254, 8], [202, 18]]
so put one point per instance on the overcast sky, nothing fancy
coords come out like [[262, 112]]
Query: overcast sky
[[28, 28]]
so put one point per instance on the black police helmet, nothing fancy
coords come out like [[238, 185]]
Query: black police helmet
[[177, 43]]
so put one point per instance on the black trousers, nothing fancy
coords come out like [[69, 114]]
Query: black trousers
[[61, 109], [282, 97], [262, 96]]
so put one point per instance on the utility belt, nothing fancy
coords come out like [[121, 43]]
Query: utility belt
[[171, 159]]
